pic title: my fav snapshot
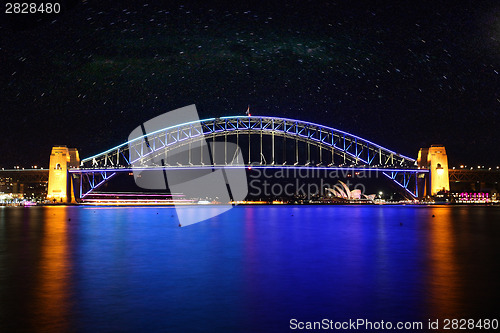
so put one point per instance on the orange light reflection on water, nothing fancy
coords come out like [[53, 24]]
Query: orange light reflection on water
[[52, 300], [444, 280]]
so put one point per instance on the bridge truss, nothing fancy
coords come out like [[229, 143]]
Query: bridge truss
[[474, 176], [262, 142]]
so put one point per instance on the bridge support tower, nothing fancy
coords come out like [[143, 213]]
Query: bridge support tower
[[436, 160], [60, 187]]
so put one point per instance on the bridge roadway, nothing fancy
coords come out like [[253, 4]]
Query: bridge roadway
[[474, 175], [456, 175]]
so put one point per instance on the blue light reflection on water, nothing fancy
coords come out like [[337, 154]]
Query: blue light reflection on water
[[250, 269]]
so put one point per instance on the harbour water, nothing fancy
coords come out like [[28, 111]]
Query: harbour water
[[252, 269]]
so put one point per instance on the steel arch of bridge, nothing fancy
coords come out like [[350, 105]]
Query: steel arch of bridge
[[355, 153]]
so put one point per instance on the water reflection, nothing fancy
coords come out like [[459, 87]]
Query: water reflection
[[251, 269], [444, 274], [51, 302]]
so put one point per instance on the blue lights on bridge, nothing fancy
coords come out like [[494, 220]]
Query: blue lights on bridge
[[336, 150]]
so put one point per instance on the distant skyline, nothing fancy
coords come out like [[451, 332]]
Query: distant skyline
[[402, 75]]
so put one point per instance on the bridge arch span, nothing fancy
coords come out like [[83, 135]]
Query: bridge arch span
[[347, 150], [356, 149]]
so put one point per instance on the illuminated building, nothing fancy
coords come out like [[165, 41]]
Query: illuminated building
[[23, 185], [472, 197], [6, 185], [342, 191]]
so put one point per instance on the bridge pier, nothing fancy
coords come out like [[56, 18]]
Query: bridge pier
[[60, 187], [436, 160]]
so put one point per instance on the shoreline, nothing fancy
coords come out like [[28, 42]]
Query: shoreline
[[249, 204]]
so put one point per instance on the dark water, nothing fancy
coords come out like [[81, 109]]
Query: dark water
[[249, 270]]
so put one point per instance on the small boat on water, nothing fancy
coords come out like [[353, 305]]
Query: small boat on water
[[203, 202]]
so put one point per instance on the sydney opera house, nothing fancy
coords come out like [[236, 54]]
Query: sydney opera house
[[341, 192]]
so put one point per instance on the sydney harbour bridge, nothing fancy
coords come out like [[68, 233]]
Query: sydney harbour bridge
[[247, 142]]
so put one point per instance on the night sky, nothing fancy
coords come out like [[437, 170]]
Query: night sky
[[404, 76]]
